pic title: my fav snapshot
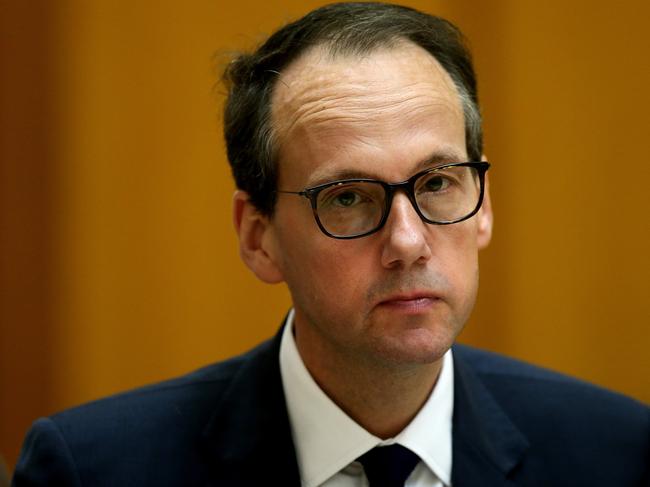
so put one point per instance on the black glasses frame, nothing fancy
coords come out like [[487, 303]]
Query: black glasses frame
[[407, 186]]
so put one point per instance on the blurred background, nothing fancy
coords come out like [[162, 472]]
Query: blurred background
[[118, 263]]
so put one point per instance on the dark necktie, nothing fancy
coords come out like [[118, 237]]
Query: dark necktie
[[388, 466]]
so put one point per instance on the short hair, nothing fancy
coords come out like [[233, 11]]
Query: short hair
[[342, 28]]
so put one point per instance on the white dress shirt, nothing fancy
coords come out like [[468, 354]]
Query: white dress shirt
[[328, 441]]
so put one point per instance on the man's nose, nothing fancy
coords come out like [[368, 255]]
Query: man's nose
[[405, 235]]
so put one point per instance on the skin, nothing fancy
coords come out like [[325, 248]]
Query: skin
[[375, 315]]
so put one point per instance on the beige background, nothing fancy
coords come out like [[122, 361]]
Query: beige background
[[118, 264]]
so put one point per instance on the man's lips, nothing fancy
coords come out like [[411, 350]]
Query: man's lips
[[417, 299]]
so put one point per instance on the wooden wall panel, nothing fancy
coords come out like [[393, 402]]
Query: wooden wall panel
[[27, 136]]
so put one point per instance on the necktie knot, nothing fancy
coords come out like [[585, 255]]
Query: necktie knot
[[388, 466]]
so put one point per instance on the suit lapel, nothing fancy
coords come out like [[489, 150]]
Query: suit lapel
[[487, 446], [248, 440]]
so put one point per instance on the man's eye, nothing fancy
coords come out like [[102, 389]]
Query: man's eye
[[346, 199], [435, 184], [343, 198]]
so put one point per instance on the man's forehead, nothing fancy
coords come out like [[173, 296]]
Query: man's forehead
[[321, 85], [319, 68]]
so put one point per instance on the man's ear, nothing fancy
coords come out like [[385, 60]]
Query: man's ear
[[485, 216], [256, 239]]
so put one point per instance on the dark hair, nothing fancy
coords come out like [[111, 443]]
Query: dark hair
[[343, 28]]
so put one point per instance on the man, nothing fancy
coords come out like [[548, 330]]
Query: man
[[355, 140]]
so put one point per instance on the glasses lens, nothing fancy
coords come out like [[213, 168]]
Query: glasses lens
[[448, 194], [348, 209]]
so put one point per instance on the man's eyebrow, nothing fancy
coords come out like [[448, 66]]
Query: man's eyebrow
[[435, 159], [438, 158], [338, 175]]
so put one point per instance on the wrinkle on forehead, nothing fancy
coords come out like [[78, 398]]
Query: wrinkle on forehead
[[322, 92]]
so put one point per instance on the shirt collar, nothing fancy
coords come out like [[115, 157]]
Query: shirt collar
[[327, 439]]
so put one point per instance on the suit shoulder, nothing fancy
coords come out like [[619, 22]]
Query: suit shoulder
[[537, 388], [571, 426], [183, 402], [159, 428]]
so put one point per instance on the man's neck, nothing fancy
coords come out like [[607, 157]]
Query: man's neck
[[383, 397]]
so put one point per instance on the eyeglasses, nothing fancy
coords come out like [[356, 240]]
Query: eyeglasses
[[353, 208]]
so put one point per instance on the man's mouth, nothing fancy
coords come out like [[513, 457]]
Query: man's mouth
[[415, 302]]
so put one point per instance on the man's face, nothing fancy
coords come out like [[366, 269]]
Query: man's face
[[400, 295]]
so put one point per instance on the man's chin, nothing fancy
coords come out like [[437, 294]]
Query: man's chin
[[416, 347]]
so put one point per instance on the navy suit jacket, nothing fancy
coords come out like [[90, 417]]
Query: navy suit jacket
[[227, 425]]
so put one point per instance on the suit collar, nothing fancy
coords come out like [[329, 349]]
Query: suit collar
[[487, 445], [248, 439]]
